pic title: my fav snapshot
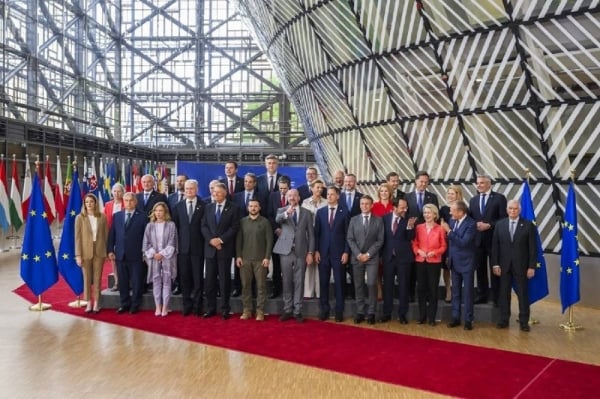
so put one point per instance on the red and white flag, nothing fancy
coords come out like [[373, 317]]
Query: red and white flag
[[16, 211], [59, 201], [26, 188], [49, 205]]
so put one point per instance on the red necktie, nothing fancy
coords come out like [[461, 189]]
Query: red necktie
[[282, 201], [331, 210], [231, 187]]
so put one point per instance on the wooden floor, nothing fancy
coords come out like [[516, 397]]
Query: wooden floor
[[54, 355]]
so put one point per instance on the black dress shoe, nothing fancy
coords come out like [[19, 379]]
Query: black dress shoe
[[299, 318], [186, 312], [208, 314], [371, 319], [274, 295], [480, 300], [285, 317], [421, 321], [502, 324], [339, 317], [455, 323], [525, 327], [323, 316], [359, 318], [385, 319], [176, 291], [225, 315], [133, 310], [403, 320], [468, 325], [122, 310], [432, 323], [235, 293]]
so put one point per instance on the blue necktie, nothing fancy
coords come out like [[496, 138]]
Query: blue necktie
[[218, 214], [482, 205], [349, 201], [295, 217], [247, 198], [420, 200], [127, 219]]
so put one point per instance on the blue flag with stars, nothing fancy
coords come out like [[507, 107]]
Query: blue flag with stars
[[569, 255], [38, 259], [66, 250], [538, 284]]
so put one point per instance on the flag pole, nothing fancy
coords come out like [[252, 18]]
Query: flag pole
[[40, 306], [571, 325], [532, 320], [78, 303]]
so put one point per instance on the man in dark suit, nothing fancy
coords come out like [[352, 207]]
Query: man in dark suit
[[365, 238], [178, 194], [277, 199], [304, 189], [220, 224], [232, 181], [267, 182], [125, 248], [487, 207], [149, 197], [461, 260], [332, 252], [350, 198], [295, 246], [397, 257], [190, 258], [393, 179], [514, 257]]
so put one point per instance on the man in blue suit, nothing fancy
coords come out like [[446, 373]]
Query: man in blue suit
[[232, 181], [267, 182], [461, 261], [398, 257], [332, 252], [125, 247]]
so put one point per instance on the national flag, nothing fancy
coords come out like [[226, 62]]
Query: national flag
[[4, 201], [127, 176], [26, 188], [99, 193], [136, 183], [84, 184], [58, 193], [104, 182], [569, 254], [66, 250], [49, 204], [16, 211], [68, 182], [538, 285], [38, 260]]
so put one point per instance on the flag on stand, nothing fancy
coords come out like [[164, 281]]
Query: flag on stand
[[569, 254], [84, 183], [68, 181], [58, 193], [49, 204], [136, 183], [16, 211], [66, 250], [4, 201], [26, 188], [126, 176], [538, 285], [38, 260]]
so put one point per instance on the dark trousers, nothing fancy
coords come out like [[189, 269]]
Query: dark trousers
[[428, 282], [276, 276], [401, 270], [218, 266], [482, 256], [339, 281], [191, 279], [459, 279], [521, 289], [131, 275]]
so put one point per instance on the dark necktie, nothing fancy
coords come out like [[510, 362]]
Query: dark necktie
[[482, 205], [190, 210], [456, 224], [146, 196], [295, 217], [282, 201], [512, 229], [420, 200], [230, 187], [218, 214], [271, 185], [349, 201], [180, 197], [395, 225], [331, 214], [127, 219], [247, 198], [366, 223]]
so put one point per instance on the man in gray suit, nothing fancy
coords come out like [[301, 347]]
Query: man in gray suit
[[295, 245], [365, 238]]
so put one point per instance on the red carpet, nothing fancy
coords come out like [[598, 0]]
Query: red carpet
[[422, 363]]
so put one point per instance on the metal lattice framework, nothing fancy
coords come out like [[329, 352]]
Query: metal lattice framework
[[179, 75], [454, 87]]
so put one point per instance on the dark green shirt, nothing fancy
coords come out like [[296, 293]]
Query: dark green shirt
[[254, 239]]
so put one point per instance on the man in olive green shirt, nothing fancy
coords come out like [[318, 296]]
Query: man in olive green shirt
[[253, 248]]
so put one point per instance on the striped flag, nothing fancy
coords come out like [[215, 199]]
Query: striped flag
[[59, 201], [569, 254], [49, 204], [4, 201], [16, 211], [26, 188], [68, 182]]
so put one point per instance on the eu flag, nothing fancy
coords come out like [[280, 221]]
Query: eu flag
[[38, 259], [66, 250], [569, 256], [538, 285]]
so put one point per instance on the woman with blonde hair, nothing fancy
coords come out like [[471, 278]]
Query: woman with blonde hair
[[91, 231], [313, 204], [160, 250], [453, 194], [382, 207]]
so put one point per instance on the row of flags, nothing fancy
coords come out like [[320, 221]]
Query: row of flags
[[14, 203], [40, 266]]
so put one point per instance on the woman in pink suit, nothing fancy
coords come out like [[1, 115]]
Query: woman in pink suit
[[160, 252], [110, 208], [429, 245]]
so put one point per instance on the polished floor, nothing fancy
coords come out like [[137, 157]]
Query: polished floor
[[54, 355]]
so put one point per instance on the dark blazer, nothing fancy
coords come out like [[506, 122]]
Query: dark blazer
[[304, 191], [237, 186], [461, 245], [189, 234], [331, 241], [274, 204], [240, 200], [226, 229], [370, 242], [355, 210], [398, 243], [173, 199], [154, 198], [519, 254], [413, 207], [495, 209], [126, 242], [399, 194], [262, 183]]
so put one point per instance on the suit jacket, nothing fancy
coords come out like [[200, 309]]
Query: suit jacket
[[154, 198], [226, 229], [413, 207], [495, 209], [172, 200], [238, 185], [434, 241], [399, 194], [189, 234], [397, 244], [298, 237], [240, 200], [355, 209], [519, 254], [85, 246], [108, 211], [369, 242], [262, 183], [305, 192], [126, 242], [461, 245], [151, 246], [330, 241], [273, 207]]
